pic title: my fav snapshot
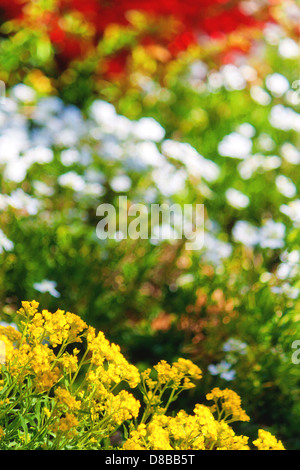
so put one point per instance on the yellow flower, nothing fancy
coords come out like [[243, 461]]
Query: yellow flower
[[110, 364], [207, 422], [28, 309], [7, 349], [45, 380], [11, 333], [180, 373], [146, 377], [165, 373], [55, 327], [227, 439], [266, 441], [230, 404], [187, 368], [47, 412], [122, 407], [67, 424], [65, 398], [69, 362]]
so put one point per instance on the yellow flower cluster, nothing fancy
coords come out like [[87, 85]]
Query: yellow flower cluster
[[66, 400], [30, 354], [110, 364], [123, 407], [61, 327], [181, 372], [37, 361], [66, 425], [266, 441], [200, 431], [6, 347], [230, 404], [79, 398], [10, 333]]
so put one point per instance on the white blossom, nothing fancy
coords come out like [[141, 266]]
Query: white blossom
[[169, 180], [246, 233], [277, 84], [223, 370], [266, 142], [235, 345], [215, 250], [42, 189], [284, 118], [246, 129], [288, 48], [272, 235], [235, 145], [72, 180], [120, 183], [148, 129], [260, 96], [47, 286], [290, 153], [23, 93], [69, 157], [236, 198], [5, 243], [292, 210], [20, 200], [233, 78], [286, 186]]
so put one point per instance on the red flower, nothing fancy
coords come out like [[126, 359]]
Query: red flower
[[215, 18], [11, 8]]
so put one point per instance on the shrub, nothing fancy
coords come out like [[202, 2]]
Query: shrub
[[55, 397]]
